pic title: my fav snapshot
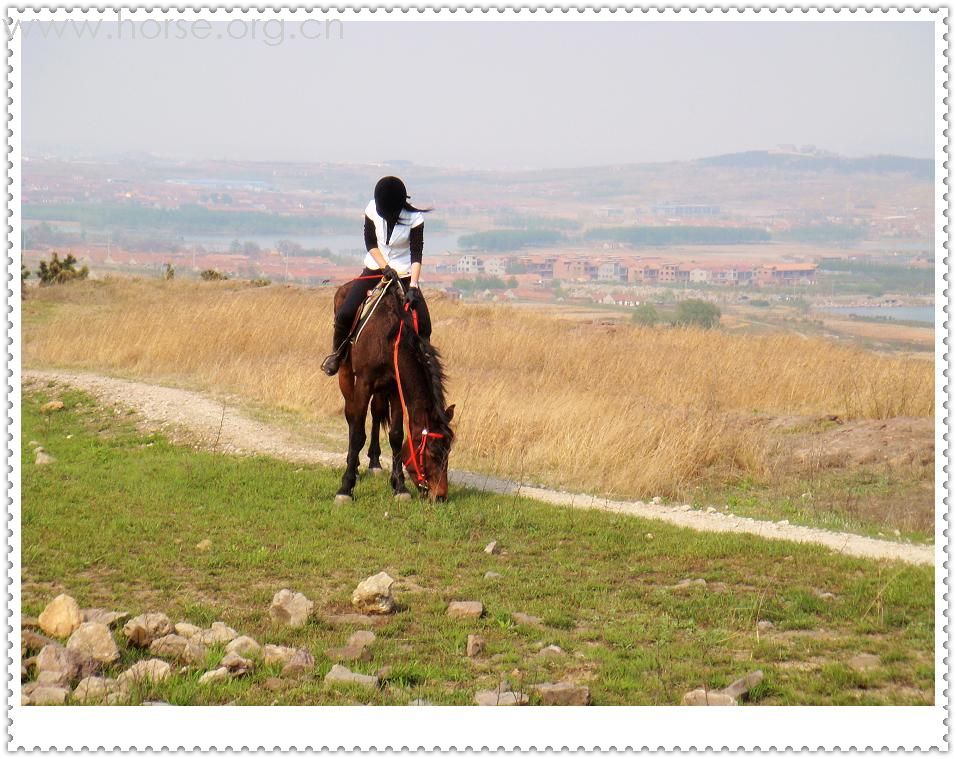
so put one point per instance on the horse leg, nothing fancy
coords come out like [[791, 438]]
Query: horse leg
[[379, 410], [396, 438], [356, 409]]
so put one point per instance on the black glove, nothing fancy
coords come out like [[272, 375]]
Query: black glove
[[389, 273], [413, 297]]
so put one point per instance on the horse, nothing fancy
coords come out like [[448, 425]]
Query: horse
[[402, 377]]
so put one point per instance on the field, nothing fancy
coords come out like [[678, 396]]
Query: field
[[823, 433], [115, 522]]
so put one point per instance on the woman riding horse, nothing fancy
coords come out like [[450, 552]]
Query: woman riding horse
[[394, 239]]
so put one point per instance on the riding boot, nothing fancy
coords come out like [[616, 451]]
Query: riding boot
[[339, 350]]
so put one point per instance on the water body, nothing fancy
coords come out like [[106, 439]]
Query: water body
[[340, 244], [925, 314]]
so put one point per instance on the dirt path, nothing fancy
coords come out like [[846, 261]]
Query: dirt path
[[215, 424]]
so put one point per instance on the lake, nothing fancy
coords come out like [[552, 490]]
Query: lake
[[925, 314]]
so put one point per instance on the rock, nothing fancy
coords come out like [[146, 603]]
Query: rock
[[204, 545], [236, 664], [143, 630], [356, 648], [465, 609], [53, 679], [61, 617], [218, 633], [475, 646], [500, 698], [92, 640], [94, 690], [51, 406], [43, 458], [215, 676], [551, 650], [244, 646], [864, 662], [339, 674], [301, 663], [740, 687], [493, 548], [564, 694], [148, 670], [277, 654], [526, 619], [273, 683], [186, 629], [178, 647], [374, 595], [49, 696], [104, 617], [700, 582], [657, 500], [764, 625], [32, 641], [701, 697], [492, 576], [56, 658], [826, 596], [648, 536], [290, 608]]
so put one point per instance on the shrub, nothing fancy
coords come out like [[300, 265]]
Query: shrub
[[697, 313], [24, 276], [646, 315], [169, 271], [259, 282], [211, 275], [58, 271]]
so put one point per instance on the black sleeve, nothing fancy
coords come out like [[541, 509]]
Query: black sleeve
[[416, 241], [371, 240]]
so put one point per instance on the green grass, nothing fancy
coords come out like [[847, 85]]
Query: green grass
[[116, 519]]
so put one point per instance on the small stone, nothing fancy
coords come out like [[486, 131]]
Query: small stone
[[564, 694], [374, 595], [43, 458], [289, 608], [53, 679], [148, 670], [520, 618], [355, 649], [93, 690], [277, 654], [492, 576], [764, 625], [215, 676], [51, 406], [144, 629], [178, 647], [49, 696], [700, 582], [33, 641], [657, 500], [339, 674], [186, 629], [551, 650], [218, 633], [236, 664], [740, 687], [826, 596], [244, 646], [701, 697], [61, 617], [57, 658], [204, 545], [500, 698], [465, 609], [301, 663], [92, 640], [493, 548], [864, 662], [104, 617], [475, 646], [648, 536]]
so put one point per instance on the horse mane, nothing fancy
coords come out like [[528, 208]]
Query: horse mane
[[433, 368]]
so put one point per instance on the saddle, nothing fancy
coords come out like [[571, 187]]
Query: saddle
[[372, 301]]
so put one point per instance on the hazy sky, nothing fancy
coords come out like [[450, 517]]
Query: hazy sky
[[483, 94]]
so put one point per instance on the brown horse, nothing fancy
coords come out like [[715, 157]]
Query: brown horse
[[368, 377]]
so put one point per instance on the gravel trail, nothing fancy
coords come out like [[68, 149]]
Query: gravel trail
[[229, 430]]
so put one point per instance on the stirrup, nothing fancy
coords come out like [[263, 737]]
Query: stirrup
[[331, 364]]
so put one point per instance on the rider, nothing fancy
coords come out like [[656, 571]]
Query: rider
[[394, 239]]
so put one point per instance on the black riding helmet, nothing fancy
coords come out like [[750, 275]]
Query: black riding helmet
[[390, 197]]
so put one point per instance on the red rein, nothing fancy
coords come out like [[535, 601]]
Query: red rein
[[416, 458]]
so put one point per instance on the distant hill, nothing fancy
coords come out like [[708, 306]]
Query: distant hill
[[878, 164]]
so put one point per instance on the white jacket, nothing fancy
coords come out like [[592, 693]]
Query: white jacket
[[396, 251]]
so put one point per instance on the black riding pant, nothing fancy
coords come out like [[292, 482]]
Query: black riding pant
[[356, 295]]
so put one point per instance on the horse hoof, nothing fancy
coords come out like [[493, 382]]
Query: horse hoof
[[403, 496], [342, 498]]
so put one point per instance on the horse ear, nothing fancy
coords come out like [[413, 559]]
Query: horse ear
[[450, 412]]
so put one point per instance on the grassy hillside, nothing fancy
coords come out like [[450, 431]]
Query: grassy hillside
[[115, 521], [621, 410]]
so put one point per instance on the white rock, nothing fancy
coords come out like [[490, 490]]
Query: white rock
[[500, 698], [701, 697], [277, 654], [290, 608], [244, 646], [61, 617], [215, 676], [493, 548], [92, 640], [148, 670], [43, 458], [339, 674], [49, 696], [186, 629], [374, 595], [465, 609], [94, 690]]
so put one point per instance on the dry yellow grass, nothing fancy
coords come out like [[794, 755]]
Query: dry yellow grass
[[618, 409]]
